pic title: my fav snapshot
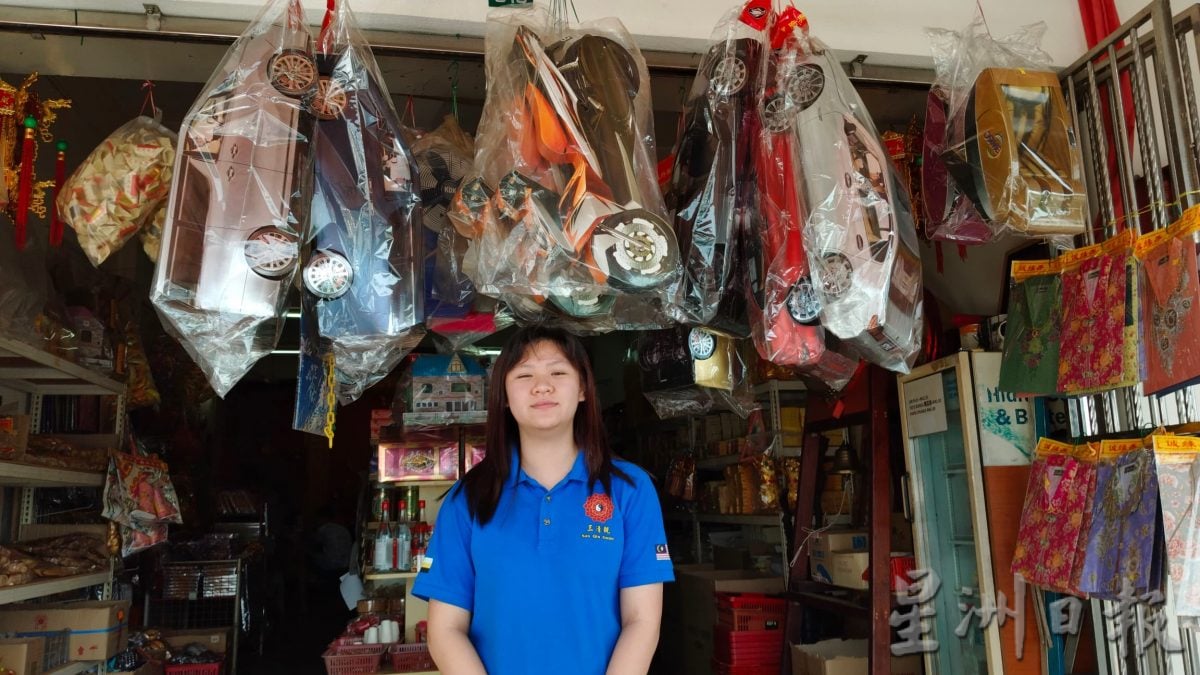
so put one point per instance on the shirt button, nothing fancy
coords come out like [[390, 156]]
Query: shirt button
[[546, 521], [547, 497]]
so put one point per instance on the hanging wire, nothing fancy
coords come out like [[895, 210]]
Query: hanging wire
[[148, 86], [454, 89]]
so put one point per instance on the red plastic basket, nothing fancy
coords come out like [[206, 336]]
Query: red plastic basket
[[411, 658], [751, 611], [193, 669], [747, 647], [348, 646], [901, 566], [353, 659]]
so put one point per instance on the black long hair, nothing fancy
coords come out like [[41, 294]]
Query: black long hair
[[486, 481]]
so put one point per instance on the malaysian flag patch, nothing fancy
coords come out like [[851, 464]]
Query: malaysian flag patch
[[661, 553]]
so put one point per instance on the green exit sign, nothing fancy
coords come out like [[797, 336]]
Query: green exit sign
[[508, 3]]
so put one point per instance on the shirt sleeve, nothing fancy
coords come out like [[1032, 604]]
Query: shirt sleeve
[[645, 559], [448, 574]]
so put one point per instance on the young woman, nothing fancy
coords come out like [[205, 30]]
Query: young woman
[[549, 556]]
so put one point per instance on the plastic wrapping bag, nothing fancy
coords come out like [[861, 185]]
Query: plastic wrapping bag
[[445, 383], [858, 234], [239, 199], [690, 371], [1010, 146], [364, 266], [949, 215], [139, 496], [711, 188], [118, 187], [151, 234], [565, 145]]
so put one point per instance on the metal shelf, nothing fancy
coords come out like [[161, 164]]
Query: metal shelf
[[15, 474], [39, 589], [26, 368], [442, 419], [389, 576], [74, 667]]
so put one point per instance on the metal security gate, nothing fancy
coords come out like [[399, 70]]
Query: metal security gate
[[1133, 101]]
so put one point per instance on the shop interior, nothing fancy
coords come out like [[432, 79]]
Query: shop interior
[[165, 526]]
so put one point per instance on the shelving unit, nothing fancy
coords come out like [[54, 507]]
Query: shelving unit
[[864, 403], [29, 374]]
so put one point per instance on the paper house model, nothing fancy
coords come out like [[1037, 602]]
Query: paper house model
[[446, 383]]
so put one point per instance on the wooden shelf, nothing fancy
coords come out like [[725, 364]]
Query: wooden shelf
[[74, 667], [413, 483], [717, 462], [16, 474], [724, 518], [26, 368], [779, 385], [831, 598], [39, 589]]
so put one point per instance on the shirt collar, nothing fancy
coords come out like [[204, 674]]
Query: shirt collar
[[578, 472]]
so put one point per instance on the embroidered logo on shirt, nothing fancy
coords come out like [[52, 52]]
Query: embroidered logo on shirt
[[661, 553], [599, 507]]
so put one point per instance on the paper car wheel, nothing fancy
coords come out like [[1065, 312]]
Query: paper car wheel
[[292, 72], [328, 275], [778, 114], [803, 303], [728, 76], [837, 274], [331, 99], [804, 86], [641, 247], [270, 252]]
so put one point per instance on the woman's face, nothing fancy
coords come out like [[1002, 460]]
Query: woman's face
[[544, 389]]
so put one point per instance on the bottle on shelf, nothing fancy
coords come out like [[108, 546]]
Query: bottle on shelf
[[385, 506], [420, 531], [402, 543], [383, 548]]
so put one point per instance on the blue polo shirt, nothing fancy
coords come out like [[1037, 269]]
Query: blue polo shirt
[[542, 579]]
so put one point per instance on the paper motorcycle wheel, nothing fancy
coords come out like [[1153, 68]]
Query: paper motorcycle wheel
[[292, 72], [331, 99], [270, 252], [639, 247], [328, 275]]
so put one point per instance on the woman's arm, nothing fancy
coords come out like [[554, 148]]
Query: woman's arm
[[449, 643], [641, 615]]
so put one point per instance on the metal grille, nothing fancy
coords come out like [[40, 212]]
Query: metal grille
[[1133, 101]]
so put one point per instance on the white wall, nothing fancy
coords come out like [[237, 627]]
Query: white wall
[[889, 31]]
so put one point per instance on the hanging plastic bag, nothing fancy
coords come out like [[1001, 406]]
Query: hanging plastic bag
[[1170, 295], [566, 148], [692, 371], [1010, 145], [239, 201], [858, 234], [118, 187], [711, 187], [364, 266], [949, 215]]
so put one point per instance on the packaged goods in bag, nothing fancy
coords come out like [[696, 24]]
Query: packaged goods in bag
[[363, 267], [576, 219], [240, 195], [864, 273]]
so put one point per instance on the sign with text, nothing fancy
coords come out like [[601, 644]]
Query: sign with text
[[925, 405], [1008, 432]]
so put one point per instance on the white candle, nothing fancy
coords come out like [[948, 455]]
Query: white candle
[[372, 636]]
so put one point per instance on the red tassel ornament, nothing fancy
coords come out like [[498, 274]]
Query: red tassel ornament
[[60, 176], [25, 182]]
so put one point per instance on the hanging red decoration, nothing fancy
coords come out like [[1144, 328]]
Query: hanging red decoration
[[25, 181], [60, 175]]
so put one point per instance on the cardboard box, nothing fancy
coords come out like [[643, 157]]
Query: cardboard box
[[14, 436], [22, 655], [98, 629], [845, 657], [213, 639], [847, 569], [835, 501]]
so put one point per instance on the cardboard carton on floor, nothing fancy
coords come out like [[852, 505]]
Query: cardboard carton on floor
[[845, 657], [213, 639], [22, 655], [98, 629]]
